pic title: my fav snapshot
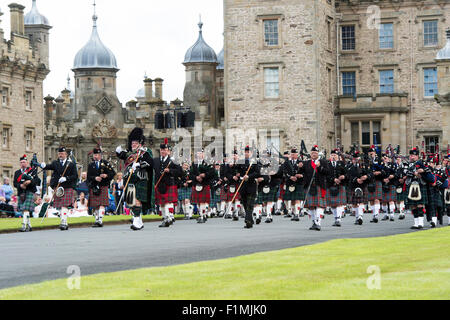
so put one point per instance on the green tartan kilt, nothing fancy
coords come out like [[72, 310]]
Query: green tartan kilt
[[272, 196], [435, 199], [215, 198], [297, 195], [423, 201], [184, 193], [28, 204], [401, 196], [142, 191]]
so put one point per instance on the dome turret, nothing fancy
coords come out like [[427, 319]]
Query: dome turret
[[200, 52], [34, 17]]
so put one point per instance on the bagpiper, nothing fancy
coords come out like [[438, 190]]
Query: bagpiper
[[201, 175], [336, 191], [294, 195], [249, 171], [375, 183], [26, 189], [436, 189], [400, 175], [417, 177], [167, 172], [232, 177], [216, 183], [357, 175], [388, 188], [185, 190], [282, 188], [99, 176], [446, 166], [63, 182], [138, 174], [315, 175]]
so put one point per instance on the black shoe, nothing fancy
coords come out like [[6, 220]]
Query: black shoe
[[401, 217], [433, 225], [315, 227], [420, 227], [392, 219], [414, 228], [248, 225], [258, 221], [235, 218], [359, 221], [63, 227], [337, 224], [29, 229], [268, 220], [288, 216], [165, 224], [374, 220], [295, 219], [97, 225], [134, 228], [201, 220]]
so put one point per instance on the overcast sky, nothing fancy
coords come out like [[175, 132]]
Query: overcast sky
[[145, 36]]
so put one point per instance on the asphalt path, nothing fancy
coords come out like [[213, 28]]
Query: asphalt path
[[46, 255]]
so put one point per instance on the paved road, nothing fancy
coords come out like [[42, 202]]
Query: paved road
[[45, 255]]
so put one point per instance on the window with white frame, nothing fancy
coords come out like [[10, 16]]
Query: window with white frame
[[28, 140], [28, 99], [386, 81], [430, 82], [386, 36], [6, 132], [431, 144], [430, 33], [272, 82], [271, 32], [5, 96]]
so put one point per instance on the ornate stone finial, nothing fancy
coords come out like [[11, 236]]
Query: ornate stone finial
[[68, 82], [94, 17], [200, 24]]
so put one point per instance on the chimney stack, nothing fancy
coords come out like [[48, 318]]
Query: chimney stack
[[159, 88], [17, 20], [148, 83]]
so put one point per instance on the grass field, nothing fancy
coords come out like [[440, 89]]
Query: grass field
[[7, 225], [412, 266]]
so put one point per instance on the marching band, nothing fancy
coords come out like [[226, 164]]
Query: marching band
[[251, 187]]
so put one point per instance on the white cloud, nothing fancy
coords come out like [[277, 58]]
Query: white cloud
[[145, 35]]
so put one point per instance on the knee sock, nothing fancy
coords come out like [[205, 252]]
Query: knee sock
[[319, 214], [392, 210], [339, 212], [64, 213], [269, 210], [101, 213]]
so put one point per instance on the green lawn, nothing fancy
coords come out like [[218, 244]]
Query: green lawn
[[16, 224], [413, 266]]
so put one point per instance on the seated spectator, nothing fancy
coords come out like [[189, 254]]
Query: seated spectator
[[111, 209], [81, 207], [82, 186], [6, 209], [7, 189], [38, 207]]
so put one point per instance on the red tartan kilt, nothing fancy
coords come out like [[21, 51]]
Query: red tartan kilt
[[223, 194], [378, 194], [231, 195], [339, 200], [99, 201], [171, 196], [66, 201], [282, 191], [203, 196], [390, 196], [316, 201]]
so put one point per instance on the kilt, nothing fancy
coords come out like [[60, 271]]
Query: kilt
[[435, 199], [215, 198], [317, 200], [203, 196], [28, 204], [66, 201], [272, 196], [230, 195], [223, 194], [352, 199], [423, 201], [171, 196], [99, 201], [401, 196], [184, 193], [390, 196], [377, 194], [339, 200], [281, 192], [297, 195]]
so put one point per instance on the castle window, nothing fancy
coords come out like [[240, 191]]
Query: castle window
[[271, 32], [271, 83], [6, 133], [386, 81], [431, 144], [386, 36], [349, 83], [348, 37], [366, 134], [28, 99], [5, 96], [430, 83], [430, 33], [28, 140], [89, 83]]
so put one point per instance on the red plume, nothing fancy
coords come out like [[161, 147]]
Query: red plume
[[166, 141]]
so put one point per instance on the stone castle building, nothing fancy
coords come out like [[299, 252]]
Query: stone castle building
[[24, 64], [323, 71]]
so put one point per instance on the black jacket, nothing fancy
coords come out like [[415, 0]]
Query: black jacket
[[30, 188], [320, 178], [197, 170], [93, 172], [71, 174], [291, 169], [336, 172], [250, 186], [169, 179]]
